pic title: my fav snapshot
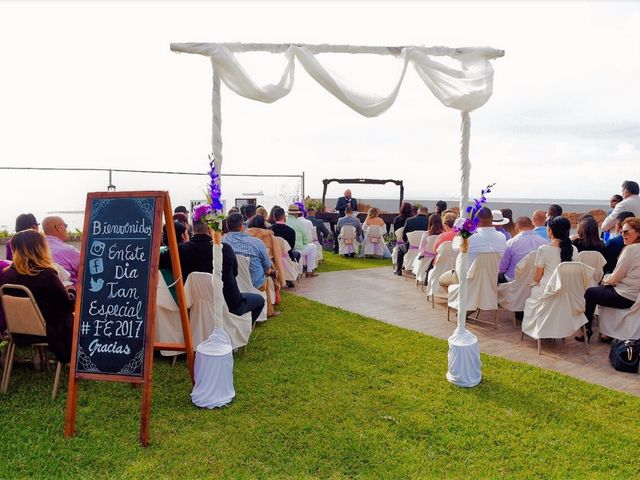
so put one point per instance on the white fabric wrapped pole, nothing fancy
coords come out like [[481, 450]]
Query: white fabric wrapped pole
[[216, 147], [464, 351]]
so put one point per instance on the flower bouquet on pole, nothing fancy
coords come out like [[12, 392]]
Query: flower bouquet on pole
[[464, 351]]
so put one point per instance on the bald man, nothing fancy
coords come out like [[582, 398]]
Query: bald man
[[65, 255], [539, 218]]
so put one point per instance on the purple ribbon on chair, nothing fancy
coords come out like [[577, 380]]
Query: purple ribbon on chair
[[413, 247]]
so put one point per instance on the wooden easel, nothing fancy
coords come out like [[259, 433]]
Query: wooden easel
[[162, 208]]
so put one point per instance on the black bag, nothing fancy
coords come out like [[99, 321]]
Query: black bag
[[625, 355]]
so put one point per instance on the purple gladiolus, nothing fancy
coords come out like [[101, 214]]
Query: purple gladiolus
[[200, 212]]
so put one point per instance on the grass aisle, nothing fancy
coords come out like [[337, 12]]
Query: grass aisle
[[333, 262], [322, 393]]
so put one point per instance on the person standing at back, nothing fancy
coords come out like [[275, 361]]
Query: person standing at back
[[341, 206], [631, 203]]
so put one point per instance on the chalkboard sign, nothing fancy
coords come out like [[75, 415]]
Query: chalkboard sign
[[115, 286]]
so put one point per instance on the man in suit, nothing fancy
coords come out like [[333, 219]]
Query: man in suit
[[414, 224], [341, 205], [196, 255]]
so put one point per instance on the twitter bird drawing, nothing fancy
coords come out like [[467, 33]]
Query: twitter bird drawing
[[96, 286]]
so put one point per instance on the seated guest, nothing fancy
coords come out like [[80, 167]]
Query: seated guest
[[32, 267], [631, 203], [549, 256], [554, 210], [441, 206], [264, 214], [435, 228], [373, 218], [321, 230], [518, 247], [613, 247], [405, 213], [253, 248], [588, 236], [196, 255], [4, 264], [486, 239], [249, 212], [539, 228], [181, 209], [24, 221], [258, 229], [419, 223], [447, 223], [511, 226], [621, 288], [613, 201], [499, 221], [304, 244], [281, 229], [65, 255], [350, 219], [181, 232]]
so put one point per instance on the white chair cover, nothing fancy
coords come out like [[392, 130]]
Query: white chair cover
[[63, 274], [168, 328], [201, 297], [513, 295], [445, 262], [373, 241], [596, 261], [426, 248], [245, 285], [399, 243], [291, 270], [347, 243], [213, 371], [319, 250], [482, 286], [414, 247], [559, 312], [623, 324]]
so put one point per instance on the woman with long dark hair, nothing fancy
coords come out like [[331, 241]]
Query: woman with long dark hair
[[406, 211], [588, 236], [549, 256], [509, 227]]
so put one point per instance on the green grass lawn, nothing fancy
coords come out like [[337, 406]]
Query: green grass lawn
[[333, 262], [323, 393]]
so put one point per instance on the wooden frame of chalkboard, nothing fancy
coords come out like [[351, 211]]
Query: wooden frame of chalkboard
[[113, 332]]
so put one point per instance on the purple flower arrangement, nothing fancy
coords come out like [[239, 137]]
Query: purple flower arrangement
[[465, 227], [211, 213]]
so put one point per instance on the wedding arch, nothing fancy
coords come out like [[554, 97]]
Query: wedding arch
[[461, 78]]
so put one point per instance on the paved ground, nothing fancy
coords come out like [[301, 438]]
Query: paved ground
[[406, 306]]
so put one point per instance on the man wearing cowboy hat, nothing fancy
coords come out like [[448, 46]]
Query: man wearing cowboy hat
[[498, 221], [304, 244]]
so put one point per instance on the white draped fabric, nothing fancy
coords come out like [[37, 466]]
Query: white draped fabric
[[464, 83]]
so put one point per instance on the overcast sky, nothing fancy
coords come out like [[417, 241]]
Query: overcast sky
[[95, 84]]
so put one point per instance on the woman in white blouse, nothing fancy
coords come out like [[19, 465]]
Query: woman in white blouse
[[549, 256], [622, 287]]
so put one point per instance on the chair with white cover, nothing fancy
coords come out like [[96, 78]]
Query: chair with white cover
[[482, 286], [201, 299], [23, 317], [513, 295], [168, 326], [399, 243], [596, 261], [445, 262], [620, 323], [420, 266], [347, 240], [559, 312], [373, 243], [245, 284], [414, 247], [291, 270], [319, 250]]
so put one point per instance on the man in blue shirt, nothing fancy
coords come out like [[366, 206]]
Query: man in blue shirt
[[539, 218], [253, 248]]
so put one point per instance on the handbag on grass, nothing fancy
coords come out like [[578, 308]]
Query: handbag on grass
[[625, 355]]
